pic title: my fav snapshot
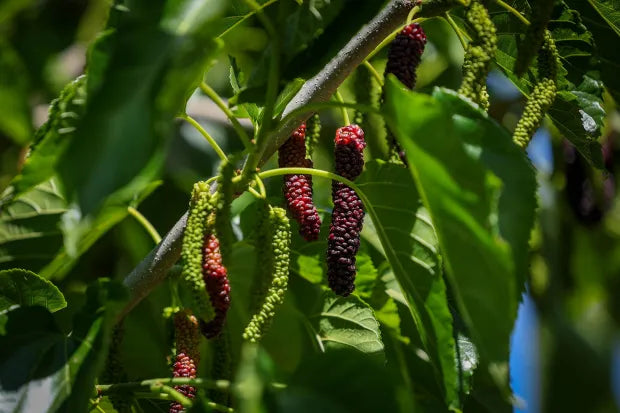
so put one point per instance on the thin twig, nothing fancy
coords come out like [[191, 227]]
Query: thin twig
[[374, 72], [343, 110], [146, 224], [456, 29], [206, 135], [514, 11], [231, 116]]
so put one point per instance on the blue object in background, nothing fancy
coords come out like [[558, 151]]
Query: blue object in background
[[525, 369], [615, 372], [525, 377]]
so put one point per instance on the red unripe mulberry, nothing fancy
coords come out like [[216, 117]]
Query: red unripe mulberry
[[187, 337], [348, 213], [405, 54], [216, 280], [298, 188]]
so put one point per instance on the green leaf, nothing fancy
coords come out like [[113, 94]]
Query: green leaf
[[602, 18], [577, 111], [41, 369], [25, 288], [51, 139], [508, 163], [29, 233], [80, 233], [461, 196], [609, 11], [347, 322], [410, 244], [343, 380], [140, 75]]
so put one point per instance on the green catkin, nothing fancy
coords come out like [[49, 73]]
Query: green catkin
[[313, 133], [280, 231], [223, 217], [221, 367], [200, 208], [534, 36], [542, 95], [114, 369], [478, 55]]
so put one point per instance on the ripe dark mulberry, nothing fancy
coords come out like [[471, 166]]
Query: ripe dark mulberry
[[216, 279], [348, 213], [187, 338], [403, 60], [298, 188], [405, 54]]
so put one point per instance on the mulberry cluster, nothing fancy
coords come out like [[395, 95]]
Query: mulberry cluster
[[187, 336], [542, 96], [216, 279], [280, 233], [298, 188], [191, 253], [403, 59], [478, 55], [405, 54], [348, 213], [534, 35]]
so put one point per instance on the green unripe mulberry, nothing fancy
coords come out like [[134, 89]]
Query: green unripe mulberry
[[313, 133], [478, 55], [542, 95], [114, 371], [200, 208], [279, 230], [535, 34], [223, 200]]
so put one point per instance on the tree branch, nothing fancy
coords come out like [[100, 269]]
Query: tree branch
[[321, 87], [153, 268]]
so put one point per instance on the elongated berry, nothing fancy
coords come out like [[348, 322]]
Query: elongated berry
[[405, 54], [191, 252], [187, 340], [223, 200], [404, 58], [216, 279], [534, 37], [115, 371], [277, 273], [298, 188], [543, 95], [313, 133], [348, 213], [478, 54]]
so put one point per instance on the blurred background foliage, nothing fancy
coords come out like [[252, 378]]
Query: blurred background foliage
[[566, 347]]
